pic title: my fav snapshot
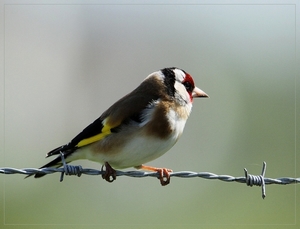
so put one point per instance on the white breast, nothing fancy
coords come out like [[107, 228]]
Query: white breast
[[142, 149]]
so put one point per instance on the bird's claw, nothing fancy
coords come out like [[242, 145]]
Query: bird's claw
[[164, 175], [109, 173]]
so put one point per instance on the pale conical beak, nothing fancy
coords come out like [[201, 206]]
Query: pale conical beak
[[197, 92]]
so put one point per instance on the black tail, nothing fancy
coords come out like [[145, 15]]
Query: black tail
[[56, 163]]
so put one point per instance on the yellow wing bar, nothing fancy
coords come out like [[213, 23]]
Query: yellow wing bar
[[106, 130], [90, 140]]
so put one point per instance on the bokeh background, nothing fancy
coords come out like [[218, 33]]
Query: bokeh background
[[65, 63]]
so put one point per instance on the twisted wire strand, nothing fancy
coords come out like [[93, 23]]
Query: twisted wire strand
[[250, 180], [140, 174]]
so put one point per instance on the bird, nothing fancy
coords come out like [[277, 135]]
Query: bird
[[138, 128]]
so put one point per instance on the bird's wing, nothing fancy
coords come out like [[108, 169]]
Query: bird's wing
[[128, 108]]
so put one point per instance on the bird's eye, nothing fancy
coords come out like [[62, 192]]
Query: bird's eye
[[188, 86]]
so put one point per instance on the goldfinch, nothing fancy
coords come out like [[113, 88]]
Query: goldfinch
[[138, 128]]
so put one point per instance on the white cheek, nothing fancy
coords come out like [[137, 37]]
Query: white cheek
[[182, 92]]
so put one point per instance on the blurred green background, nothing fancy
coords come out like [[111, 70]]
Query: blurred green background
[[65, 64]]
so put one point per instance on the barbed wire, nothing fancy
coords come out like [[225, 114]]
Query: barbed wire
[[250, 180]]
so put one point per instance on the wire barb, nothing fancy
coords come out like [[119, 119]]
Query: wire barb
[[257, 180], [69, 169], [250, 180]]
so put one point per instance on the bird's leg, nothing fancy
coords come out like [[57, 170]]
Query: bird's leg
[[164, 174], [110, 173]]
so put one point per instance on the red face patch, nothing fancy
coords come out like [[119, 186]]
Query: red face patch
[[189, 84]]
